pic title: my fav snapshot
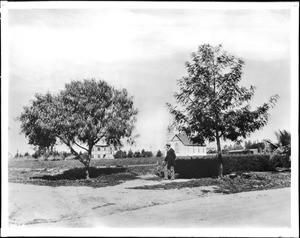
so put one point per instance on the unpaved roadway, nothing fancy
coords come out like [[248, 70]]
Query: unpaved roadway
[[119, 206]]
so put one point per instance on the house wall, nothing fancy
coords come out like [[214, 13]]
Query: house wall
[[183, 150], [100, 152]]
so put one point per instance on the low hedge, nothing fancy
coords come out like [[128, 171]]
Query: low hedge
[[281, 161], [194, 167], [208, 166], [242, 163]]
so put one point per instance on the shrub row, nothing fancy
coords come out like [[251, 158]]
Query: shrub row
[[194, 167], [208, 166], [281, 161], [242, 163]]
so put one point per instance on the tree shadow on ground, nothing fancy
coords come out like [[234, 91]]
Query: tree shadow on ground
[[79, 173]]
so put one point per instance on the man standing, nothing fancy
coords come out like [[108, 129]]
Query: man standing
[[170, 162]]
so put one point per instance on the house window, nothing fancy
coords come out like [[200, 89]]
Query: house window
[[99, 156], [98, 148]]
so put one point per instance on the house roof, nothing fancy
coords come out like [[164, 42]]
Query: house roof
[[185, 140]]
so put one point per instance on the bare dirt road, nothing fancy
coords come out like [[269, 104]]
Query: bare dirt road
[[119, 206]]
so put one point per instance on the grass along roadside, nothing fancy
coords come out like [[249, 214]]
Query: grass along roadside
[[252, 182]]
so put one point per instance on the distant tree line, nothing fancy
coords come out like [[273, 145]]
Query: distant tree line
[[119, 154], [137, 154]]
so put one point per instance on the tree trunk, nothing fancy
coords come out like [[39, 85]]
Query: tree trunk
[[220, 158], [87, 163], [87, 172]]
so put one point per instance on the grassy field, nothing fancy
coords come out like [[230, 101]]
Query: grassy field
[[68, 164], [104, 172], [112, 172]]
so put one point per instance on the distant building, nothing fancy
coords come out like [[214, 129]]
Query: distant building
[[183, 146], [254, 151], [104, 151], [211, 150], [240, 152]]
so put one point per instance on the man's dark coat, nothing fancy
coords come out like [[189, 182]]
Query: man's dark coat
[[170, 158]]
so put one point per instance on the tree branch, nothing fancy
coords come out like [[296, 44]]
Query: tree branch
[[99, 138], [80, 146], [72, 150]]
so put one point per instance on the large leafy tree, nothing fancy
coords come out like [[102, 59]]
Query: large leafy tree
[[211, 105], [81, 115]]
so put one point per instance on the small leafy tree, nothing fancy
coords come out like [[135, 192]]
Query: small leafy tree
[[81, 115], [143, 153], [148, 154], [158, 153], [120, 154], [130, 154], [211, 105], [137, 154]]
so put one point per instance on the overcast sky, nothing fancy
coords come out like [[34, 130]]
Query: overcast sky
[[144, 50]]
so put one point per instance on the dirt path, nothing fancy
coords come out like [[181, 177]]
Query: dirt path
[[263, 209], [119, 206]]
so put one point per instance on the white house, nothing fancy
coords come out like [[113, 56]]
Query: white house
[[183, 146], [104, 151]]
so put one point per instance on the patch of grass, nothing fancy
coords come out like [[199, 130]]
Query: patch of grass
[[100, 177], [79, 173], [101, 181], [254, 181]]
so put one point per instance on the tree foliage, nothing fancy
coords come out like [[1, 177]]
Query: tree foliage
[[130, 154], [255, 145], [81, 115], [137, 154], [120, 154], [283, 144], [159, 153], [235, 146], [38, 135], [211, 104]]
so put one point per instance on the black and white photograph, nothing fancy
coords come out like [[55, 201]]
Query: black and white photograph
[[173, 119]]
